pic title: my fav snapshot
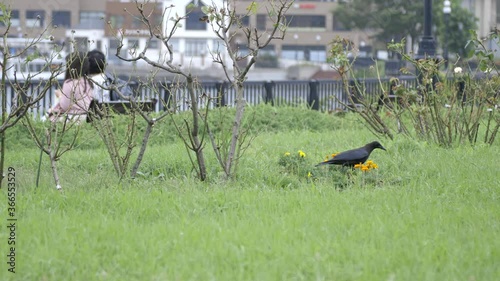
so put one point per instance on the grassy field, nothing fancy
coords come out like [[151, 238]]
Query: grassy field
[[427, 213]]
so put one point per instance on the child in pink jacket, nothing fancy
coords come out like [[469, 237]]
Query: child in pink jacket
[[76, 92]]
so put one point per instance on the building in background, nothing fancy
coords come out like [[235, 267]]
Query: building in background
[[88, 23], [193, 41], [311, 26], [126, 28], [488, 13]]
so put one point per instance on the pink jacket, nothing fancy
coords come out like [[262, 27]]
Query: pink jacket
[[76, 95]]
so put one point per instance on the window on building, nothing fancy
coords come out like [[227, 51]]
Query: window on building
[[113, 45], [307, 21], [242, 50], [218, 46], [61, 18], [261, 21], [92, 19], [116, 21], [316, 53], [153, 44], [133, 43], [304, 52], [98, 44], [35, 18], [196, 47], [194, 20], [268, 50], [293, 52], [14, 18]]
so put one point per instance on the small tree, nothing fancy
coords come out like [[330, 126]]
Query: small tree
[[60, 133], [193, 142], [228, 26], [54, 140], [339, 58], [102, 121], [22, 98]]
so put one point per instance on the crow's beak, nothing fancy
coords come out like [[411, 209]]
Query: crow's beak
[[383, 148]]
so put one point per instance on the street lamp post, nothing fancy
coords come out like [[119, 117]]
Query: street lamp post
[[427, 46], [446, 14]]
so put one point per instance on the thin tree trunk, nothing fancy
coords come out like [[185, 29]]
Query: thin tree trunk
[[197, 145], [2, 153], [145, 140], [52, 155], [3, 96], [53, 165], [240, 110], [201, 163]]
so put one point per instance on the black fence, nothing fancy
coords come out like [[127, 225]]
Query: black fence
[[324, 95]]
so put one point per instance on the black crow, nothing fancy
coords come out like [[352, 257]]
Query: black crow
[[352, 157]]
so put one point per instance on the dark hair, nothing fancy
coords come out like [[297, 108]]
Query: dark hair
[[97, 62], [77, 65]]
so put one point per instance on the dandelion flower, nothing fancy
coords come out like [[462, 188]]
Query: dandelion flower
[[309, 174], [457, 70], [365, 168], [334, 154], [302, 154], [357, 166], [287, 153]]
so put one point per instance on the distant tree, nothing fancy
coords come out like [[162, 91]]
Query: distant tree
[[395, 19], [387, 19], [460, 22]]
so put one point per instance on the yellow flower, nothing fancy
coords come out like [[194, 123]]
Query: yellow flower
[[302, 154], [357, 166], [365, 168], [371, 164], [309, 174], [287, 153], [333, 154]]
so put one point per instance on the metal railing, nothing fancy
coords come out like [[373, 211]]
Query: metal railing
[[324, 95]]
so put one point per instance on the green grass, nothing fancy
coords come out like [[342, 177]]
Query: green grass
[[426, 214]]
